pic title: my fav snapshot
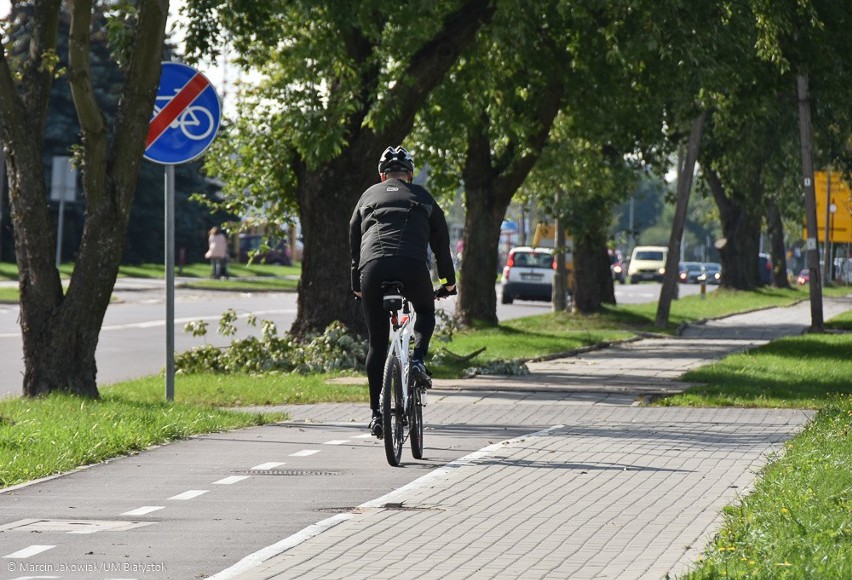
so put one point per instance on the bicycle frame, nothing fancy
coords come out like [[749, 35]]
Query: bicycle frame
[[401, 336]]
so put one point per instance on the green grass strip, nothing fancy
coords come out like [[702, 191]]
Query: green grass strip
[[244, 285], [523, 338], [243, 390], [797, 522], [44, 436], [803, 371]]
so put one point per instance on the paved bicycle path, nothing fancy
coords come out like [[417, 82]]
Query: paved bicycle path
[[609, 490]]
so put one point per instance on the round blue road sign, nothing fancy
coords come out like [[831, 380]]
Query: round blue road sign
[[186, 116]]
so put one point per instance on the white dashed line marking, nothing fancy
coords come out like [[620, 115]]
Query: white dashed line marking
[[337, 442], [265, 466], [145, 509], [192, 493], [231, 480], [29, 551], [304, 453], [364, 436]]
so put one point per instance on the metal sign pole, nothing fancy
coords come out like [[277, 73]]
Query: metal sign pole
[[170, 282], [184, 122]]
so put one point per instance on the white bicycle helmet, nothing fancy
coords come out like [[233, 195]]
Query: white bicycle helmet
[[395, 158]]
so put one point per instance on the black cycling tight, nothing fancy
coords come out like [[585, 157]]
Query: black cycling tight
[[415, 276]]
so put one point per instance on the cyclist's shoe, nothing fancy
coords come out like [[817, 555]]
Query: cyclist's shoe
[[376, 425], [422, 376]]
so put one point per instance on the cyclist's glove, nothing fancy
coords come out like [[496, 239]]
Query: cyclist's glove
[[442, 292]]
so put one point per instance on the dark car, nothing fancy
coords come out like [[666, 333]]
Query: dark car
[[712, 273], [688, 272], [277, 250]]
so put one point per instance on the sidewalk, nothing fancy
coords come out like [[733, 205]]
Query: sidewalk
[[610, 489]]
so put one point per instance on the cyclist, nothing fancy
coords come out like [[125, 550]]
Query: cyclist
[[393, 225]]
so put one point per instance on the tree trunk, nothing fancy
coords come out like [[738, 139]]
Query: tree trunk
[[776, 241], [593, 286], [812, 247], [560, 276], [60, 331], [477, 300], [324, 293], [741, 222], [491, 180], [328, 195], [669, 290]]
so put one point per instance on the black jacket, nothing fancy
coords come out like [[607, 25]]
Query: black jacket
[[396, 218]]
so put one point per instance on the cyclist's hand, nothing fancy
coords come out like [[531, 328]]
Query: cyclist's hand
[[358, 295], [444, 291]]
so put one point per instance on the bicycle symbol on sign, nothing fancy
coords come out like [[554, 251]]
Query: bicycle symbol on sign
[[195, 121]]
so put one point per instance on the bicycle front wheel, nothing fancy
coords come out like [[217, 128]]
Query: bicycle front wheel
[[393, 414], [415, 423]]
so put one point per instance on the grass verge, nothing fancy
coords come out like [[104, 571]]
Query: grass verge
[[522, 338], [41, 437], [243, 390], [61, 432], [793, 372], [560, 332], [721, 302], [244, 277], [797, 522]]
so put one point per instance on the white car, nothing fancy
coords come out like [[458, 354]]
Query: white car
[[647, 263], [528, 274]]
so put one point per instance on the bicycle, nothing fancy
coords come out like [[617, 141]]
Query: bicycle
[[402, 400]]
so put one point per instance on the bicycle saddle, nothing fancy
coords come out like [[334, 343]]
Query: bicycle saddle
[[392, 295]]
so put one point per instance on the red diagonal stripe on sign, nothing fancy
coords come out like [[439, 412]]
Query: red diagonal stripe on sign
[[170, 112]]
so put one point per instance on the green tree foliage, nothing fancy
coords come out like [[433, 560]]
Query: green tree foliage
[[483, 130], [341, 81], [580, 183], [751, 154]]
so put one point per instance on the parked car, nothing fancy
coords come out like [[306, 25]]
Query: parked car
[[712, 273], [804, 277], [647, 263], [528, 274], [251, 247], [688, 272]]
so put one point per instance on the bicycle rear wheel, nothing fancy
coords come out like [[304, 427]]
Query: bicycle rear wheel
[[415, 422], [393, 415]]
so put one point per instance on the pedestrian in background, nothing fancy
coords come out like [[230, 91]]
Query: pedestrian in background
[[217, 253]]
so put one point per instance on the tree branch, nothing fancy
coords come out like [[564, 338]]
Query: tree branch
[[138, 94], [431, 62], [89, 113], [24, 113], [549, 103]]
